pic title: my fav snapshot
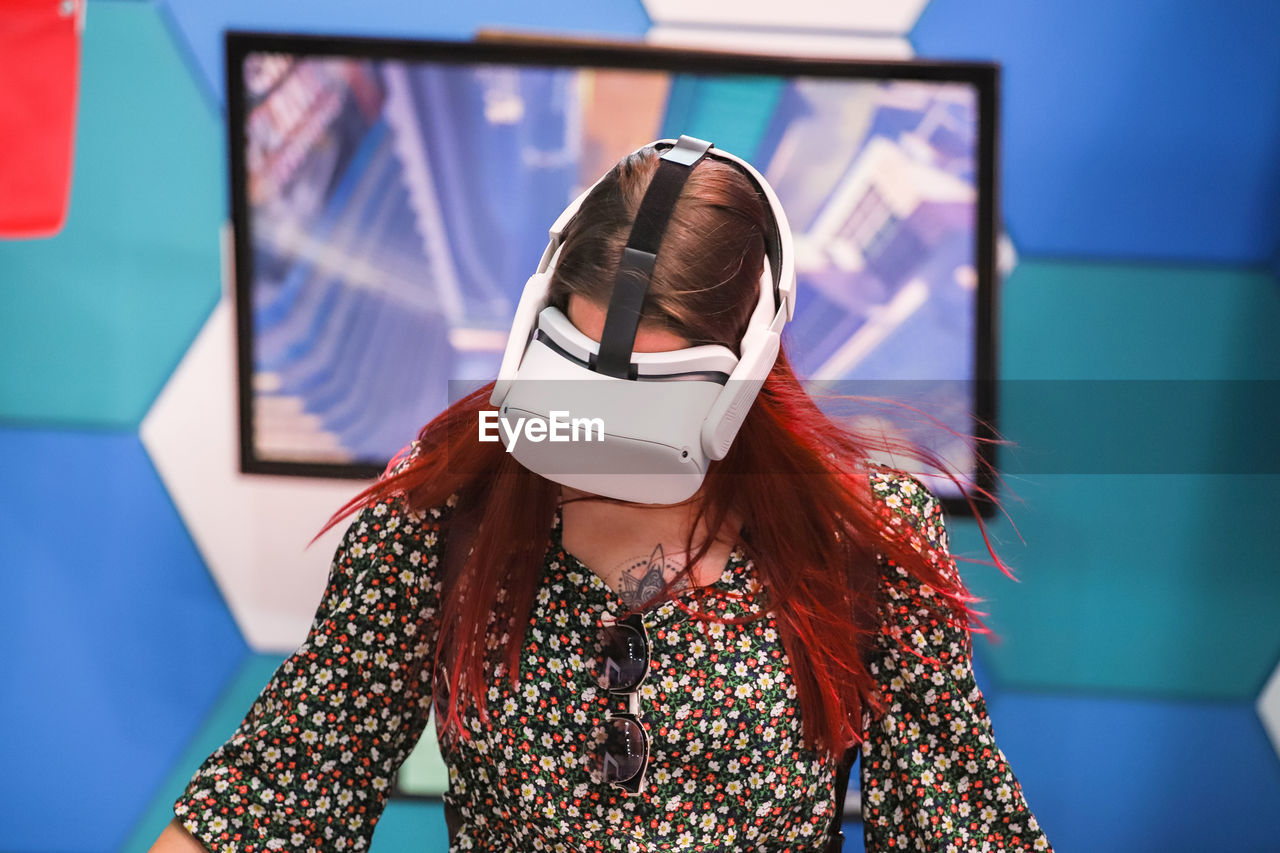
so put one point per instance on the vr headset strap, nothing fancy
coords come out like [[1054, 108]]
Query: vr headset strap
[[641, 253]]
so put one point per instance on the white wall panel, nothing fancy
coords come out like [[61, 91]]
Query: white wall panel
[[1269, 708], [889, 17], [780, 41], [252, 530]]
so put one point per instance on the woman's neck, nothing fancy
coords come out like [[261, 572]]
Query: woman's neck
[[634, 548], [610, 513]]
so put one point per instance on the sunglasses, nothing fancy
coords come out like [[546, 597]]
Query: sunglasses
[[625, 657]]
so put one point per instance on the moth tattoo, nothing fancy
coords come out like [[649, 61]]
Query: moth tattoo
[[645, 579]]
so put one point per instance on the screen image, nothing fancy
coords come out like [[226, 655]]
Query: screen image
[[390, 200]]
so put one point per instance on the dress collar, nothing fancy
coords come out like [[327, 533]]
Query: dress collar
[[731, 586]]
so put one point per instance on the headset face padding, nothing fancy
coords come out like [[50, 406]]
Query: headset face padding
[[709, 361], [672, 413]]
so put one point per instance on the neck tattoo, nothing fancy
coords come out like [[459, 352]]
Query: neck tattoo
[[644, 578]]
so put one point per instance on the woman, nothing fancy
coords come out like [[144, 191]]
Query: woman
[[616, 675]]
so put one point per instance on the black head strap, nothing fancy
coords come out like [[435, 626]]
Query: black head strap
[[641, 253]]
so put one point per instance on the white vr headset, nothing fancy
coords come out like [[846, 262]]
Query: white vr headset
[[638, 427]]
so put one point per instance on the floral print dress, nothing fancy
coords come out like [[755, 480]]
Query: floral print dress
[[311, 765]]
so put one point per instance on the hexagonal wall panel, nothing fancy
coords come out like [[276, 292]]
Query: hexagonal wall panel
[[116, 641], [1149, 775], [1154, 583], [95, 318], [1130, 130], [867, 17], [1148, 584], [201, 23], [1268, 707], [252, 529], [218, 724], [785, 42], [1105, 321], [808, 28]]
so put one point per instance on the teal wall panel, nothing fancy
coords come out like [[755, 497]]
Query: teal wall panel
[[1161, 585], [218, 725], [416, 825], [1147, 565], [97, 317], [1083, 320]]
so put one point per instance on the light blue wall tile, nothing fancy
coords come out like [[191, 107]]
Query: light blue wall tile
[[1131, 130], [1119, 775], [116, 640], [202, 23]]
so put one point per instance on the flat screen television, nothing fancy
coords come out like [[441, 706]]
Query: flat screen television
[[390, 198]]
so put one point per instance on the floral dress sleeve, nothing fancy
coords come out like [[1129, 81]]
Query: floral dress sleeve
[[311, 765], [933, 778]]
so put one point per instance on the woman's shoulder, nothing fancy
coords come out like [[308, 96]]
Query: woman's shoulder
[[390, 529], [398, 501], [909, 512], [907, 507]]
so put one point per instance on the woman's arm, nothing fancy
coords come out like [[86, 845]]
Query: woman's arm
[[933, 777], [311, 765]]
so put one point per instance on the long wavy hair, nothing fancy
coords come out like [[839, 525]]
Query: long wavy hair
[[816, 561]]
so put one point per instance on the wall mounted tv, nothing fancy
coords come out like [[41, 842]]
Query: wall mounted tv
[[389, 199]]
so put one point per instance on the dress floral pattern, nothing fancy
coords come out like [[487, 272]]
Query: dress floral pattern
[[933, 777], [311, 765]]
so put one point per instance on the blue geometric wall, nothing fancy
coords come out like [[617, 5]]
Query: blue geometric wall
[[116, 640], [1140, 188], [1137, 130]]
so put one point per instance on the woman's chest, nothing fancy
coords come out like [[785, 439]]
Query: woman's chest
[[718, 704]]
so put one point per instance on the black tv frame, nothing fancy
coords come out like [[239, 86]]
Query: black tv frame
[[550, 52]]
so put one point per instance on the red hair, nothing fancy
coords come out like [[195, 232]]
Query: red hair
[[816, 561]]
